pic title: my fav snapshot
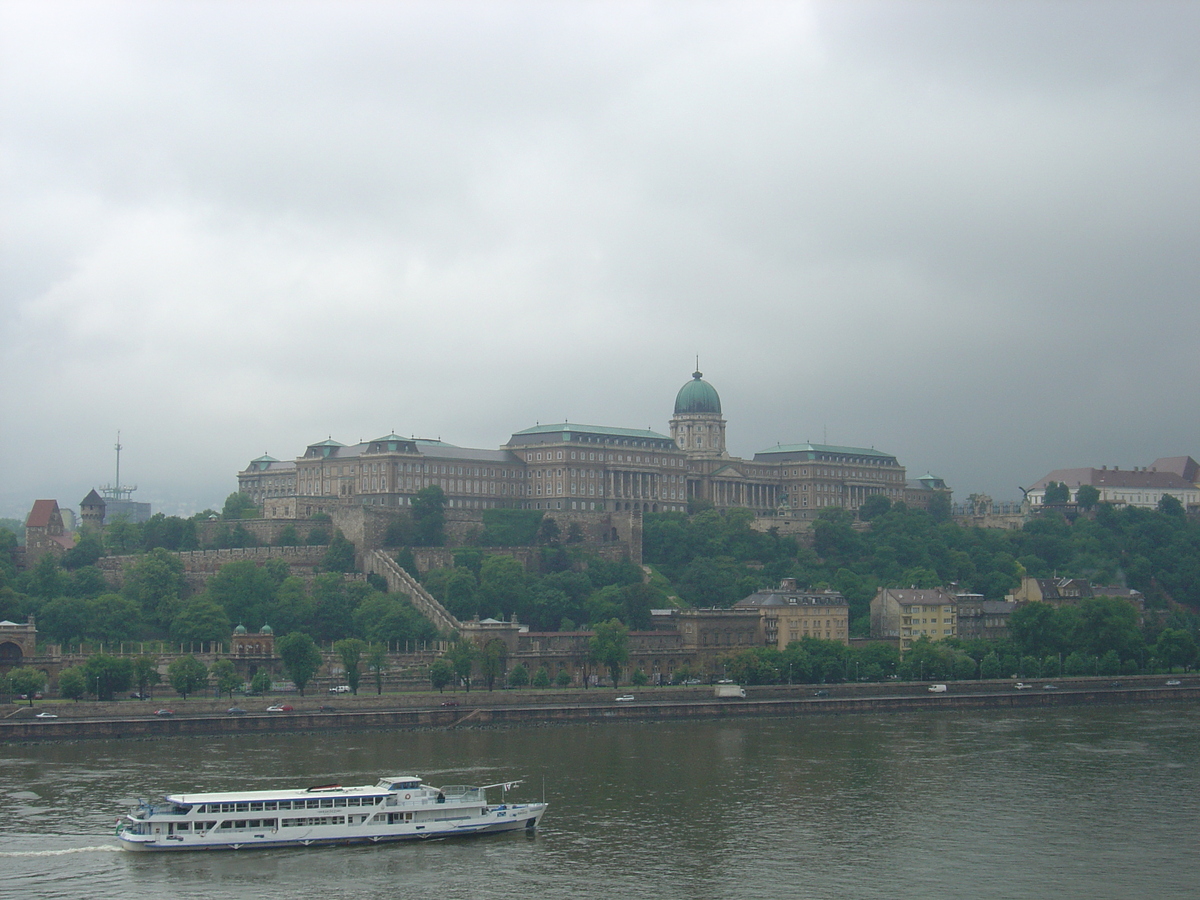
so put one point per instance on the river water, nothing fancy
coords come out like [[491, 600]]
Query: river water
[[1078, 802]]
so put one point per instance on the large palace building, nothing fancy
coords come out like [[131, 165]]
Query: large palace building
[[586, 468]]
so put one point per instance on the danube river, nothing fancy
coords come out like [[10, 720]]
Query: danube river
[[1080, 802]]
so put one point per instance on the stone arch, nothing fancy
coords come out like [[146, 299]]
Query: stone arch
[[10, 653]]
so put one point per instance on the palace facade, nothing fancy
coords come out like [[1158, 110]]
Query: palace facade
[[583, 468]]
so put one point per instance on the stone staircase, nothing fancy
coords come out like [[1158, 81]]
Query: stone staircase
[[400, 582]]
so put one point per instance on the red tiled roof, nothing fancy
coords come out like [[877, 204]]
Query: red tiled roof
[[41, 514]]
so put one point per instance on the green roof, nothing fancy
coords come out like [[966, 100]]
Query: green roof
[[823, 448], [697, 396], [569, 428]]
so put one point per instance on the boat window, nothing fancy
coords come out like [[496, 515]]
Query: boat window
[[256, 807], [270, 804], [327, 802], [183, 826], [243, 807], [340, 801]]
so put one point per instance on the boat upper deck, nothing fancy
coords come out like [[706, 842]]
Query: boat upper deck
[[382, 788]]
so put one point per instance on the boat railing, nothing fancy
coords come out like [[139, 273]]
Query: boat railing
[[463, 793]]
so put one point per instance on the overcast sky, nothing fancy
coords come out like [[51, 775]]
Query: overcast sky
[[963, 233]]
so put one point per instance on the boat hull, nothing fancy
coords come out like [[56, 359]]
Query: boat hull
[[516, 817]]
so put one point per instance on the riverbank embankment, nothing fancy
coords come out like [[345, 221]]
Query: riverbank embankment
[[482, 709]]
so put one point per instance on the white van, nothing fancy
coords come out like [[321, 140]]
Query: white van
[[937, 689]]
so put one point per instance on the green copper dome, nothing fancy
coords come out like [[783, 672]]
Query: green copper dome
[[697, 396]]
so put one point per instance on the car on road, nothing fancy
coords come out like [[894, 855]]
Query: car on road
[[1174, 682], [820, 693], [280, 707], [937, 689], [164, 713], [236, 711], [1049, 687], [1022, 686], [625, 698], [449, 703], [45, 715], [340, 689]]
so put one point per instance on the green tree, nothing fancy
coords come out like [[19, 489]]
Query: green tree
[[145, 673], [156, 582], [462, 657], [261, 682], [239, 506], [86, 552], [609, 646], [541, 678], [563, 679], [377, 662], [1057, 492], [186, 675], [1175, 647], [226, 676], [288, 537], [1171, 507], [989, 666], [200, 620], [340, 555], [1110, 664], [27, 681], [300, 657], [1087, 496], [350, 651], [638, 678], [441, 673], [72, 683], [939, 506], [519, 676], [429, 517], [874, 507], [107, 675], [491, 661]]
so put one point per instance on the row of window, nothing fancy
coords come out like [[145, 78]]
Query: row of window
[[270, 805]]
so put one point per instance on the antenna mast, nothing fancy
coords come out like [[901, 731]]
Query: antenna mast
[[116, 490]]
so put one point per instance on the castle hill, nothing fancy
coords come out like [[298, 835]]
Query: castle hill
[[578, 562]]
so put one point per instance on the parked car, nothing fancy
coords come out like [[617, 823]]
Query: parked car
[[136, 696], [45, 715], [1174, 682], [625, 698], [164, 713], [236, 711], [279, 707], [1022, 686], [340, 689]]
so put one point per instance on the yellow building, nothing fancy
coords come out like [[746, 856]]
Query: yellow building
[[787, 614], [909, 614]]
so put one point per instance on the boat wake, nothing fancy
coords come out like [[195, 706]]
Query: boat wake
[[104, 848]]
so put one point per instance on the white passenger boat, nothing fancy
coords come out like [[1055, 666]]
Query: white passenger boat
[[398, 808]]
